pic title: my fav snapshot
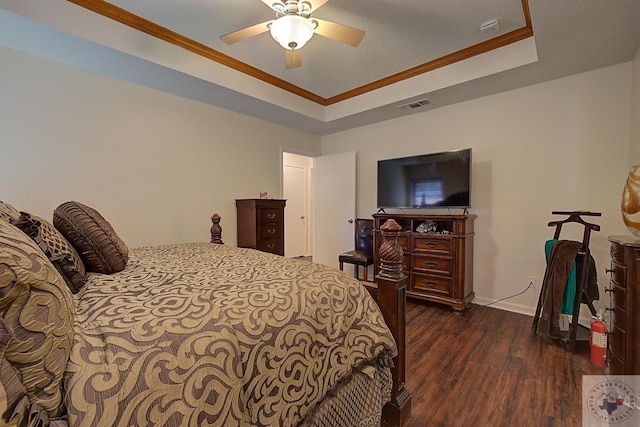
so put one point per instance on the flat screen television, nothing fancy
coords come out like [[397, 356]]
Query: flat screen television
[[428, 181]]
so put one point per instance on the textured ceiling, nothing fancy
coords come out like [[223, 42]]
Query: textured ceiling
[[411, 50], [399, 35]]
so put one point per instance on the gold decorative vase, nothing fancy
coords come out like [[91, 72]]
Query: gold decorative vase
[[630, 205]]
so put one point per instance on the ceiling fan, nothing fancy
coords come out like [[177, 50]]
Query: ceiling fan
[[294, 26]]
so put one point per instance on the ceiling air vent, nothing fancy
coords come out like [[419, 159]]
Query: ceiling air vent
[[414, 105]]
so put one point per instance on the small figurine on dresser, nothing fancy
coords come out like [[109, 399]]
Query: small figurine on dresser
[[427, 227]]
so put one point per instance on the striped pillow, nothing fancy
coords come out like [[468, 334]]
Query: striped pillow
[[59, 251]]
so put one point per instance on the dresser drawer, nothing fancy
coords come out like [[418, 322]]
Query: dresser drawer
[[274, 246], [270, 216], [619, 295], [430, 284], [619, 274], [617, 343], [617, 366], [432, 264], [432, 244], [270, 231], [619, 317]]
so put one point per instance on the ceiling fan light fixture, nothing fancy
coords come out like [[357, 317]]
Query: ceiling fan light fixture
[[292, 31], [304, 7]]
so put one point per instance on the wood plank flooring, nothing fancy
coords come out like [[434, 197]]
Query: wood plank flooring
[[487, 368]]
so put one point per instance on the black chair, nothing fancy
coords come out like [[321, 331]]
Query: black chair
[[363, 254]]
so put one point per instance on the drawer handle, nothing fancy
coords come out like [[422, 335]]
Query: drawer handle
[[271, 216], [613, 310], [608, 289], [271, 245], [608, 270], [432, 284], [271, 230], [431, 264], [432, 244]]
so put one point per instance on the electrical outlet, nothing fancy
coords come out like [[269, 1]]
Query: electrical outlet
[[531, 281]]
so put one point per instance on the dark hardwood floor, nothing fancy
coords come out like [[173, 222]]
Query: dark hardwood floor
[[487, 368]]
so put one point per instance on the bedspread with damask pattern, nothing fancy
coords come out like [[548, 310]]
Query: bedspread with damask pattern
[[202, 334]]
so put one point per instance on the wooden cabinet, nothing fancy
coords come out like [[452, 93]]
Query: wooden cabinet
[[261, 224], [624, 292], [438, 264]]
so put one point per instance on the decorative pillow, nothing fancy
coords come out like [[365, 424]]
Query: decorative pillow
[[93, 237], [59, 251], [8, 212], [37, 307]]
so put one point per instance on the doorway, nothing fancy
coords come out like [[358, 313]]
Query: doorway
[[297, 174], [321, 198]]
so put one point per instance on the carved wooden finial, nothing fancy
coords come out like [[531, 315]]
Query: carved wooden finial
[[390, 251], [216, 230]]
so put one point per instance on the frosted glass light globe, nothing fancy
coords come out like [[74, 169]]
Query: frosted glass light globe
[[292, 31]]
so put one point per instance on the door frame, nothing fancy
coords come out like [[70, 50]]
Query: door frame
[[310, 197]]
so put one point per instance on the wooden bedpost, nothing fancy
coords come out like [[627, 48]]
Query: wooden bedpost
[[391, 298], [216, 230]]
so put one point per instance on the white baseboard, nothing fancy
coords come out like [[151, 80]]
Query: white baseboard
[[584, 319], [506, 305]]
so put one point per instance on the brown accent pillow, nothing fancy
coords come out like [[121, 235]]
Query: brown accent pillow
[[59, 251], [37, 308], [93, 237], [8, 212]]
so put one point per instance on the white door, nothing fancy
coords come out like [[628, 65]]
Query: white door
[[295, 191], [334, 206]]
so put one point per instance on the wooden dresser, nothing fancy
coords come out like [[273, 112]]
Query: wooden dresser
[[624, 291], [438, 264], [261, 224]]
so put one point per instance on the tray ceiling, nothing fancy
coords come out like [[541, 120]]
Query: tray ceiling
[[413, 49]]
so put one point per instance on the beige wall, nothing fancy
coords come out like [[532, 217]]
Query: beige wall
[[561, 145], [155, 165]]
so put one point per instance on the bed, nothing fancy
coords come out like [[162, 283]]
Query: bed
[[95, 334]]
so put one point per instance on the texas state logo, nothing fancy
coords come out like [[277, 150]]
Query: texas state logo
[[611, 401]]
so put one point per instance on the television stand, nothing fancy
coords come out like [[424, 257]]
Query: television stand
[[437, 256]]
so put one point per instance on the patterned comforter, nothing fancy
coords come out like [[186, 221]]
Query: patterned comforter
[[202, 334]]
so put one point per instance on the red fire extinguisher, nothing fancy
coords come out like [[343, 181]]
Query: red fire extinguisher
[[598, 341]]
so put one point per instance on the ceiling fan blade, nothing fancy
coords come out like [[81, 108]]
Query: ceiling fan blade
[[245, 33], [342, 33], [293, 58], [270, 3], [317, 3]]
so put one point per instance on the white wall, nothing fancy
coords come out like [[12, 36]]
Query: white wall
[[560, 145], [156, 166]]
